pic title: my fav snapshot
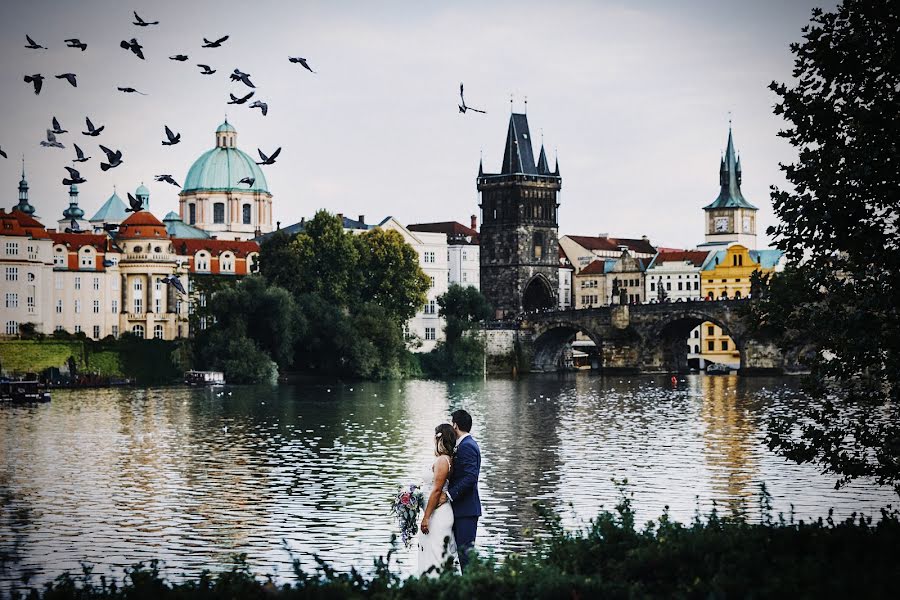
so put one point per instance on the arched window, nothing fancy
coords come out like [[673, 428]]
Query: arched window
[[158, 332], [201, 262], [59, 257], [219, 212], [724, 295], [86, 260], [138, 330], [737, 295], [696, 349], [246, 214], [226, 262]]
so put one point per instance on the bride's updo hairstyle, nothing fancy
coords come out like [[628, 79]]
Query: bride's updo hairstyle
[[444, 440]]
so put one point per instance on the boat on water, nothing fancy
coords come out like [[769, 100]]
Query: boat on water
[[25, 390], [718, 369], [202, 378]]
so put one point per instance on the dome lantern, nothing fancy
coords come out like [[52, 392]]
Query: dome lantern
[[226, 135]]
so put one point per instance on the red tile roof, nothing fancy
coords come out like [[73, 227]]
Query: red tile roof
[[140, 225], [79, 240], [17, 223], [597, 267], [456, 232], [190, 246], [695, 257], [612, 244]]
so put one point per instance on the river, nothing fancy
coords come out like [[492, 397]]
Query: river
[[192, 476]]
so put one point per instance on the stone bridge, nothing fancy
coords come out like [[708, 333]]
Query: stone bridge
[[641, 337]]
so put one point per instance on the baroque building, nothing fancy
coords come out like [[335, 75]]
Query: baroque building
[[519, 256]]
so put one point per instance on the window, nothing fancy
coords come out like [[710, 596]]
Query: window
[[430, 307], [219, 212], [226, 262], [710, 330], [669, 286], [115, 307], [737, 295], [87, 260], [429, 257], [138, 285], [96, 283], [77, 306], [430, 333], [724, 344], [652, 287], [58, 328], [158, 332], [202, 323], [192, 214], [115, 331], [12, 273], [679, 286], [12, 301], [96, 308], [78, 329], [737, 280], [710, 345], [30, 300], [138, 330], [465, 256], [12, 327], [465, 276], [696, 333], [138, 305], [96, 335], [202, 261], [538, 244], [12, 248], [431, 277], [77, 283], [59, 307], [246, 214], [59, 259], [696, 349], [696, 285]]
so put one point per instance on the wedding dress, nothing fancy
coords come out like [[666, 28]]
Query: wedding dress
[[439, 543]]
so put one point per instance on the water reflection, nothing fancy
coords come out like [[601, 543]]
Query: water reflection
[[191, 476]]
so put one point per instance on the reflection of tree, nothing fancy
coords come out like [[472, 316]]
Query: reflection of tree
[[730, 441]]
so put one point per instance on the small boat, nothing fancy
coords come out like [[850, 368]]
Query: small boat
[[204, 378], [25, 390], [718, 369]]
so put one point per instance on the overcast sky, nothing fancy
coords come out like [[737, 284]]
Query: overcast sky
[[634, 96]]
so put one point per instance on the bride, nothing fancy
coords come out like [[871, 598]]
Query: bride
[[436, 541]]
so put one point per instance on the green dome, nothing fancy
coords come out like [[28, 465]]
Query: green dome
[[220, 169], [226, 126], [142, 191]]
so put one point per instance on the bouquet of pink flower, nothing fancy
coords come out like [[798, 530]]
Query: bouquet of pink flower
[[406, 506]]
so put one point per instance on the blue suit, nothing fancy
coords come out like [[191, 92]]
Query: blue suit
[[463, 494]]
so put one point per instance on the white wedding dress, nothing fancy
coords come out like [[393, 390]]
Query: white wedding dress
[[439, 543]]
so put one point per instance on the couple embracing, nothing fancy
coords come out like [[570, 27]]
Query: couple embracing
[[451, 513]]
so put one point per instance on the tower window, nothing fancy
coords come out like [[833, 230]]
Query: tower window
[[219, 212], [192, 214], [538, 243], [246, 214]]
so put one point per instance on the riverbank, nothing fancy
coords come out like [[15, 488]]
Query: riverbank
[[713, 557]]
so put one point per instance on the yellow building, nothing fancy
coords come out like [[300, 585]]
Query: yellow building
[[726, 276]]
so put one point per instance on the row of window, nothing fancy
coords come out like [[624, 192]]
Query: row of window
[[710, 347], [219, 213], [685, 285]]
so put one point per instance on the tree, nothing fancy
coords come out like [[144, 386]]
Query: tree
[[278, 262], [389, 274], [327, 258], [839, 226], [462, 307]]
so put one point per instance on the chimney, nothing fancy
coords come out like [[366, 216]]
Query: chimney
[[277, 224], [603, 235], [362, 219], [473, 220], [302, 220], [645, 238], [213, 237]]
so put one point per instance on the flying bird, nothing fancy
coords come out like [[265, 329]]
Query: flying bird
[[135, 204], [248, 180], [215, 44], [74, 228], [236, 100], [113, 159], [75, 43], [174, 282], [74, 177], [70, 77], [301, 61], [462, 107], [134, 46], [206, 70], [179, 57], [167, 179], [92, 131], [110, 227], [142, 23], [243, 77], [261, 105], [32, 45], [79, 155], [2, 153], [37, 80], [268, 160], [57, 128], [130, 90], [173, 138], [51, 142]]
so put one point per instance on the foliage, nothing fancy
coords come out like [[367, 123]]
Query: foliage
[[237, 356], [389, 273], [380, 346], [21, 356], [839, 226], [148, 362], [612, 557], [461, 352], [462, 307]]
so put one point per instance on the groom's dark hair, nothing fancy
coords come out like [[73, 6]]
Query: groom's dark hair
[[462, 419]]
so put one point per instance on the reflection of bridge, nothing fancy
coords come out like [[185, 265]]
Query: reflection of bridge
[[640, 337]]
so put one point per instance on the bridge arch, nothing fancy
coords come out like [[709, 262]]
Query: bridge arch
[[670, 342], [552, 340]]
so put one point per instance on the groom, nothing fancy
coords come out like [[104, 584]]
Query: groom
[[462, 492]]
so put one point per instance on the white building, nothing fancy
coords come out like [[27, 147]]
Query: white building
[[676, 273], [463, 250], [566, 276]]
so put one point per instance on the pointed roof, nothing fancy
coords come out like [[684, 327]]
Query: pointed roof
[[112, 211], [542, 167], [518, 156], [177, 228], [730, 195]]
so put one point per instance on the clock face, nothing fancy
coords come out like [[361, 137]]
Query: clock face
[[721, 224], [746, 224]]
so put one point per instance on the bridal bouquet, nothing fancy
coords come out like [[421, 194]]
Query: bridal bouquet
[[406, 506]]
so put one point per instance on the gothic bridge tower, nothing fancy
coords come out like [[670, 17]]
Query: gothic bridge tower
[[518, 237]]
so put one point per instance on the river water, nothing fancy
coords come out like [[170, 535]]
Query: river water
[[192, 476]]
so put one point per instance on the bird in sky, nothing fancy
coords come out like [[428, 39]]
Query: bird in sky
[[243, 77], [215, 44], [462, 107], [179, 57], [173, 138], [32, 45], [92, 131], [301, 61], [167, 179], [174, 282], [37, 80], [110, 227], [75, 43], [113, 159], [57, 128], [134, 46], [70, 77], [79, 155], [268, 160], [74, 227], [236, 100], [248, 180], [142, 23], [74, 177], [206, 70], [51, 142], [260, 105], [134, 204], [130, 90], [2, 153]]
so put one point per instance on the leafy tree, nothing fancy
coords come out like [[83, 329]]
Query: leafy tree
[[389, 273], [380, 348], [239, 358], [839, 226], [462, 307], [327, 258], [328, 338], [278, 262]]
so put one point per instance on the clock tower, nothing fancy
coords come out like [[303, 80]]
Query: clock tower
[[730, 218]]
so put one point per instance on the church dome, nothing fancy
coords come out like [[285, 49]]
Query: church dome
[[142, 191], [221, 168]]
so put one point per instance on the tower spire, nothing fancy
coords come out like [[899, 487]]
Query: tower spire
[[23, 205]]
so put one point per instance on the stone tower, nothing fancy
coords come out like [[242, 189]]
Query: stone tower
[[730, 218], [519, 247]]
